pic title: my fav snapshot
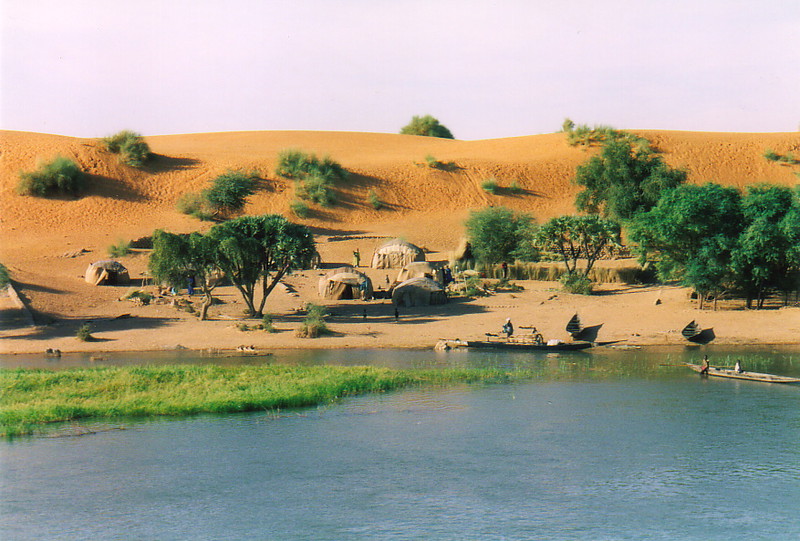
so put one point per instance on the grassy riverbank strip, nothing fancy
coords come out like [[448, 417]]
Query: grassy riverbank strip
[[33, 398]]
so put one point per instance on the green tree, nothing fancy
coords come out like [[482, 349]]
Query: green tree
[[177, 258], [254, 249], [426, 125], [622, 182], [691, 234], [769, 246], [578, 237], [497, 234]]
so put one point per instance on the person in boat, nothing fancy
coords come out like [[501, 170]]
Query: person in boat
[[704, 366], [508, 328], [738, 367]]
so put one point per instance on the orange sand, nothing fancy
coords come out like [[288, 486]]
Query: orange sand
[[423, 205]]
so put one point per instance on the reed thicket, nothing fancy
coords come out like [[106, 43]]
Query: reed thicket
[[31, 399]]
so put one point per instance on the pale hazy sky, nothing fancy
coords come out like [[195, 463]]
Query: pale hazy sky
[[484, 68]]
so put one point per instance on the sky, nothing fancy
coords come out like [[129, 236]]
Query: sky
[[485, 69]]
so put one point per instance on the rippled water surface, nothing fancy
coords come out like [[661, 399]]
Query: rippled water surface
[[604, 447]]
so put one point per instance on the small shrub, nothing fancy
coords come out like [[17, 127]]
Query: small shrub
[[515, 188], [576, 283], [194, 204], [244, 327], [296, 164], [120, 249], [788, 158], [490, 186], [85, 333], [59, 176], [229, 192], [317, 190], [314, 323], [474, 287], [5, 276], [433, 163], [771, 155], [567, 126], [266, 324], [131, 147], [374, 200], [427, 126], [139, 296], [300, 209]]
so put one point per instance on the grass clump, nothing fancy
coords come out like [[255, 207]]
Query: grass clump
[[300, 208], [131, 147], [490, 186], [58, 176], [84, 333], [314, 324], [576, 283], [138, 296], [315, 177], [584, 135], [515, 189], [5, 276], [433, 163], [374, 200], [267, 325], [771, 155], [120, 249], [226, 197], [33, 398]]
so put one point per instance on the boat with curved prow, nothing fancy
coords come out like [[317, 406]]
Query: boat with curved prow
[[750, 376]]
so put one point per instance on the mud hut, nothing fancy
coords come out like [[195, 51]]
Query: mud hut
[[421, 269], [106, 272], [418, 292], [345, 283], [396, 254]]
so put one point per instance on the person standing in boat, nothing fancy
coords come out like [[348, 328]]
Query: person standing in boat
[[508, 328], [704, 366]]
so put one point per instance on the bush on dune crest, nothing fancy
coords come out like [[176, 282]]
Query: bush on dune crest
[[131, 147]]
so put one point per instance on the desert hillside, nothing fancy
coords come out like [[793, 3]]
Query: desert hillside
[[427, 206]]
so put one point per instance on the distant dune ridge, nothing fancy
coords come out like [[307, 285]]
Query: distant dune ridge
[[424, 205]]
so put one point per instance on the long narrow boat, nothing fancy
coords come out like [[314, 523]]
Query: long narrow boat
[[751, 376], [512, 345]]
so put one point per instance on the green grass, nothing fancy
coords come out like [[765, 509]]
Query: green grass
[[34, 398], [120, 249]]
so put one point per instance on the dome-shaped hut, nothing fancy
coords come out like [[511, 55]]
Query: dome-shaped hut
[[396, 254], [107, 272], [418, 292], [421, 269], [345, 283]]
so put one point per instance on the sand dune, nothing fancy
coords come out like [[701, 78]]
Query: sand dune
[[427, 206]]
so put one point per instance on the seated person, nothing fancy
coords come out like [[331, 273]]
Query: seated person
[[508, 328]]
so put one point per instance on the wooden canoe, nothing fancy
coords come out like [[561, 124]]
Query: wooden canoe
[[750, 376], [527, 346]]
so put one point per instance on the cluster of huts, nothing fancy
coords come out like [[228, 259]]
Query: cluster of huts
[[418, 283]]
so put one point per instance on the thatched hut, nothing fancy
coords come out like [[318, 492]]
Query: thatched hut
[[345, 283], [421, 269], [396, 254], [418, 292], [107, 272]]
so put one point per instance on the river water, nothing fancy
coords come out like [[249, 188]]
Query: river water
[[611, 445]]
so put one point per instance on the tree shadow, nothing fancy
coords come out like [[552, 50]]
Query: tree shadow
[[61, 328]]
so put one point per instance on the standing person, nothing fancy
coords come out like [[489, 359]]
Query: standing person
[[504, 266], [738, 367], [190, 285], [447, 275], [704, 366], [356, 258], [396, 315]]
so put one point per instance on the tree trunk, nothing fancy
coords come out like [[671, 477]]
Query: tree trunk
[[207, 301]]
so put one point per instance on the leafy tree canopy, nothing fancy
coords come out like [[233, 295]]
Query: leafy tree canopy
[[426, 125], [693, 231], [497, 234], [176, 258], [622, 182], [260, 248], [578, 237]]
